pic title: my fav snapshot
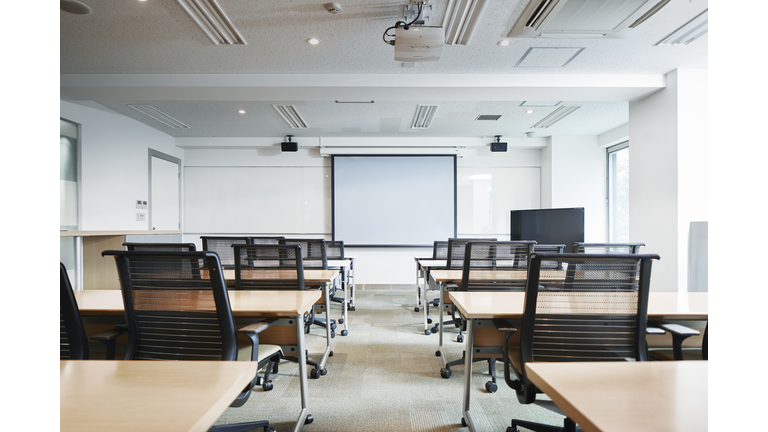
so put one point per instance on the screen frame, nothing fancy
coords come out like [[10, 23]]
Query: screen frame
[[333, 198]]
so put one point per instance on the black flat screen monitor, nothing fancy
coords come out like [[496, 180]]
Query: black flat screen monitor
[[549, 226]]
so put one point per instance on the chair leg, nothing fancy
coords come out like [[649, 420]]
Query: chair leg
[[491, 385], [568, 426]]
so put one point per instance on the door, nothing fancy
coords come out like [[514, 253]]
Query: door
[[164, 196]]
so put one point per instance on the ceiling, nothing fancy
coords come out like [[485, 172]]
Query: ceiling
[[152, 53]]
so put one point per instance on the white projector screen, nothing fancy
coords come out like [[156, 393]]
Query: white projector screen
[[394, 200]]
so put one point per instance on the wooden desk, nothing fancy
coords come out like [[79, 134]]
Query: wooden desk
[[163, 396], [627, 396], [288, 305], [477, 306]]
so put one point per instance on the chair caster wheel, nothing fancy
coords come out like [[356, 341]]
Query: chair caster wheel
[[491, 387], [323, 372], [427, 332], [437, 353], [352, 308], [429, 320], [463, 422], [344, 332], [445, 373], [333, 326], [416, 309], [309, 419], [341, 320], [330, 354], [259, 381], [267, 386], [434, 329], [459, 338], [314, 373]]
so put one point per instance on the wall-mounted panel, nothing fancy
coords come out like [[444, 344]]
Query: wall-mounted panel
[[279, 200]]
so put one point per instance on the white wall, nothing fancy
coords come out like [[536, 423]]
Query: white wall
[[668, 173], [114, 165], [396, 265], [575, 167]]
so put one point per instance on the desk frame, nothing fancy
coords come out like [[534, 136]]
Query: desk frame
[[668, 306]]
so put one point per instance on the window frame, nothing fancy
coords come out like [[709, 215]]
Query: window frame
[[609, 151]]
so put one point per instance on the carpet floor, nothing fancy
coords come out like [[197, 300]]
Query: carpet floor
[[384, 376]]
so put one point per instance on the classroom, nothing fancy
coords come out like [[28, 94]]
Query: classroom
[[148, 92]]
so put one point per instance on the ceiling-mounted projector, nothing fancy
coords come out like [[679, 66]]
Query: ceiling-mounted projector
[[418, 43]]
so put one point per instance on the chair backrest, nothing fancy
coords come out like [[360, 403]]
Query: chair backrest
[[269, 267], [606, 248], [73, 343], [496, 265], [551, 248], [334, 249], [265, 240], [440, 250], [312, 252], [161, 247], [597, 312], [172, 315], [223, 247], [456, 247]]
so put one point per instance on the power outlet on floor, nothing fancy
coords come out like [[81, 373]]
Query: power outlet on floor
[[140, 217]]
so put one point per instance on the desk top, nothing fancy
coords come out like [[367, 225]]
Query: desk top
[[243, 303], [509, 304], [166, 396], [628, 396]]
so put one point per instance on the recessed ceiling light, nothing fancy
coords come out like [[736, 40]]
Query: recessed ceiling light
[[529, 112], [313, 41], [75, 7], [239, 111], [503, 42]]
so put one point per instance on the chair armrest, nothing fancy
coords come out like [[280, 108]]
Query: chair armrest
[[252, 331], [679, 334], [109, 338], [503, 325], [507, 328], [654, 331]]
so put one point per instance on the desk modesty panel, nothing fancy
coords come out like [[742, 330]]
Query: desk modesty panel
[[149, 396]]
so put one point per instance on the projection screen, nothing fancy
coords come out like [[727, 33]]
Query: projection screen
[[394, 200]]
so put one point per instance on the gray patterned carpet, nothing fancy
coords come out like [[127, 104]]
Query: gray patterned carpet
[[385, 376]]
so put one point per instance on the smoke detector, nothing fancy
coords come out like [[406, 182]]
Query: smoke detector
[[333, 8]]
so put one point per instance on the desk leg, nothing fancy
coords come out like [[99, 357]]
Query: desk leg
[[424, 303], [352, 285], [345, 305], [418, 286], [468, 375], [321, 366], [304, 417], [440, 330]]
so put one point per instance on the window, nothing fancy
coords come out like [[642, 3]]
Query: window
[[69, 136], [618, 193]]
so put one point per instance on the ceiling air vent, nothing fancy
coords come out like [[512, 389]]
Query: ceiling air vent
[[556, 116], [579, 19], [160, 116], [213, 21], [291, 116], [423, 117], [688, 32], [488, 117]]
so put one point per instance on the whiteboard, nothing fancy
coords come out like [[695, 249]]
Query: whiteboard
[[486, 195], [394, 200], [276, 200]]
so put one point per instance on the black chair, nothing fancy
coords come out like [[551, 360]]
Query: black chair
[[454, 260], [265, 240], [283, 258], [606, 248], [480, 258], [73, 342], [334, 250], [161, 247], [314, 256], [172, 316], [439, 252], [223, 247], [596, 313]]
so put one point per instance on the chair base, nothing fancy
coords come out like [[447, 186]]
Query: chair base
[[568, 426]]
